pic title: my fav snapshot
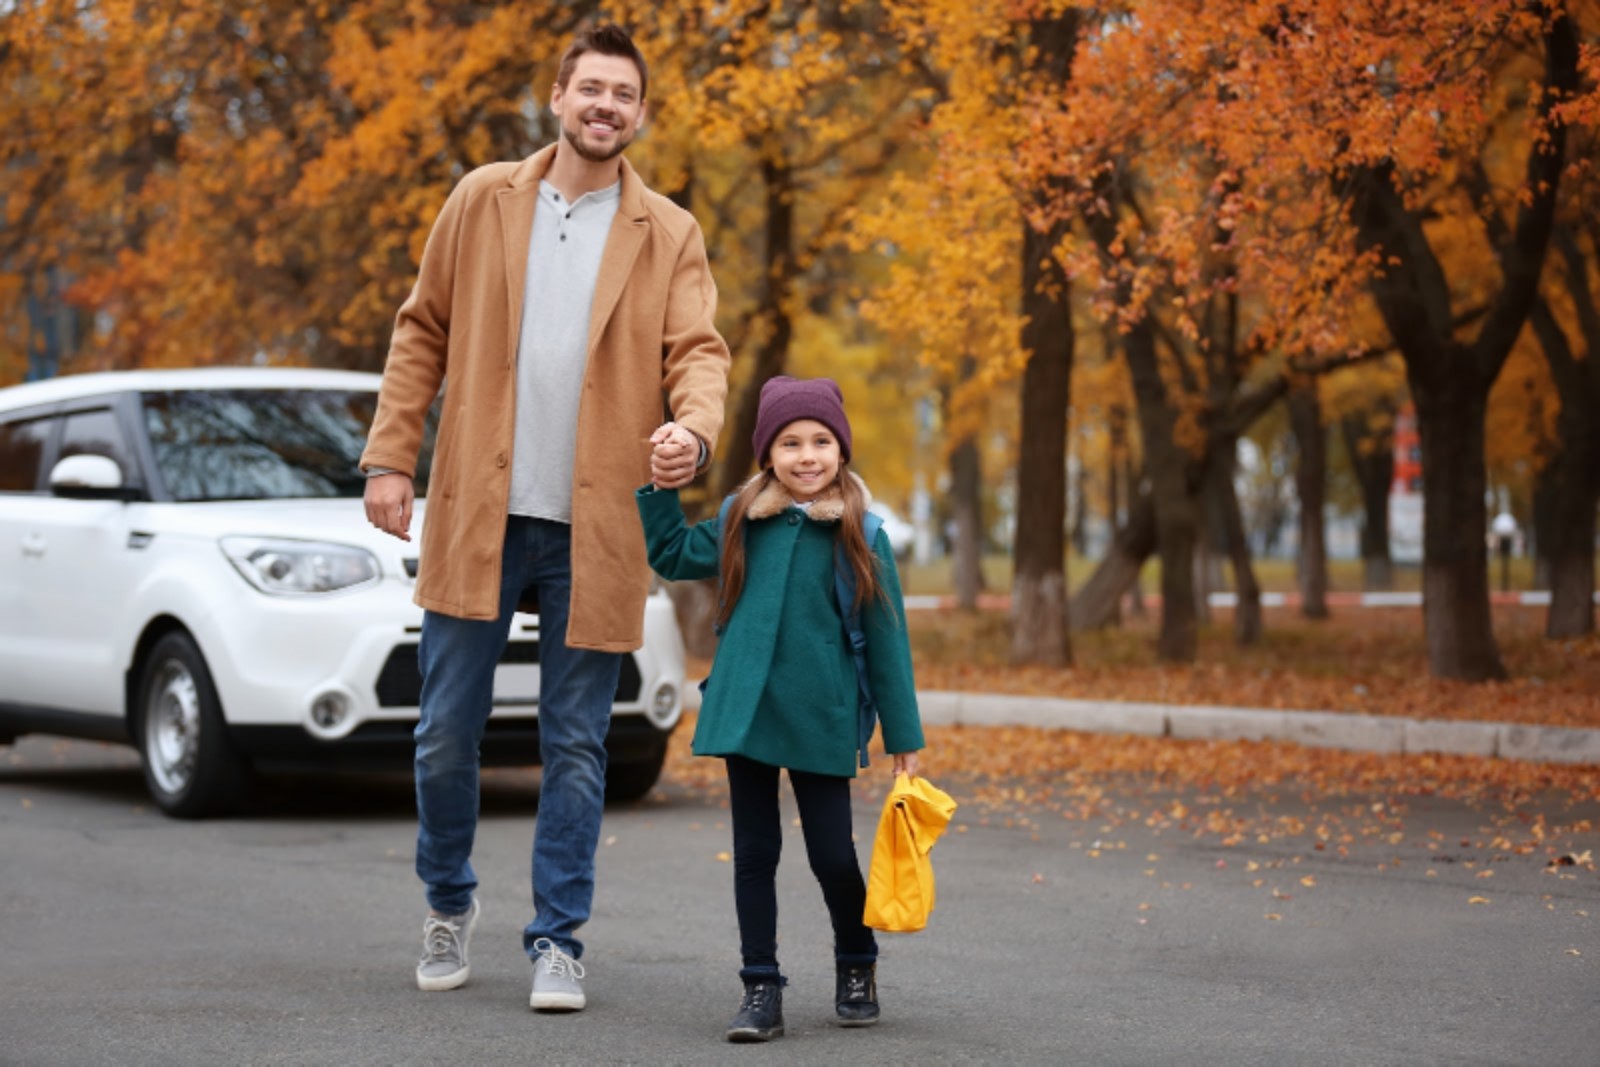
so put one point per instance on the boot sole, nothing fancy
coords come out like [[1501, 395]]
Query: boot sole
[[750, 1035], [856, 1023]]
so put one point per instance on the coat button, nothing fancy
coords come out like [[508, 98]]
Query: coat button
[[794, 519], [500, 460]]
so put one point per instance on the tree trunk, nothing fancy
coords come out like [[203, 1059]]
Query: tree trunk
[[1457, 622], [1372, 459], [1544, 518], [1137, 493], [966, 498], [1173, 484], [1572, 479], [1039, 632], [1039, 590], [1311, 480], [1097, 602], [1247, 624], [772, 356], [1577, 491], [1450, 380], [1169, 467]]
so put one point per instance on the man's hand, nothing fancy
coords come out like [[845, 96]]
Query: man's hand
[[675, 456], [906, 763], [389, 498]]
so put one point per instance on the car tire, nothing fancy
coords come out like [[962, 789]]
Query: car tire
[[179, 730], [630, 781]]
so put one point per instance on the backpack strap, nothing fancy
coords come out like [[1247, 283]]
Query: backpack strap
[[844, 591], [722, 526]]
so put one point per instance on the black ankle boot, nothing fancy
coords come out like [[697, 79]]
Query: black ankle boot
[[760, 1015], [856, 995]]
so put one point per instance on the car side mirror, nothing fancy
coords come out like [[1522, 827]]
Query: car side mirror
[[89, 477]]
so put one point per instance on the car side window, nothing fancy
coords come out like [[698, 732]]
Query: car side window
[[98, 433], [22, 448]]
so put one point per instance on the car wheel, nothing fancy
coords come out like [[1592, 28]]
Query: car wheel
[[632, 780], [188, 767]]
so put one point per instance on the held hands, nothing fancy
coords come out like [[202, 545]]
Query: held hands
[[906, 763], [674, 457], [389, 498]]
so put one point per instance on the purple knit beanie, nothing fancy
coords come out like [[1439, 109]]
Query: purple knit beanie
[[784, 400]]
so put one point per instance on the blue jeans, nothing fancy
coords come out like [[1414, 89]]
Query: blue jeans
[[576, 690]]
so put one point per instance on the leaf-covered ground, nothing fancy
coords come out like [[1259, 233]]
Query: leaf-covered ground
[[1237, 793], [1365, 661]]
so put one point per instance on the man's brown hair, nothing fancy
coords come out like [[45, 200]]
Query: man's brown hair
[[606, 39]]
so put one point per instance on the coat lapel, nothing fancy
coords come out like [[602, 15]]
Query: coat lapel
[[517, 202], [628, 232]]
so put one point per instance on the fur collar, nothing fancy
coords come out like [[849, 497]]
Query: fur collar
[[774, 499]]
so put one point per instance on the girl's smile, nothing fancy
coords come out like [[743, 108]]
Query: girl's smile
[[805, 457]]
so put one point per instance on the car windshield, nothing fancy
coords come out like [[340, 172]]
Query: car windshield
[[266, 444]]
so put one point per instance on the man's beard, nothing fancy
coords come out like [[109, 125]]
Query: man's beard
[[593, 155]]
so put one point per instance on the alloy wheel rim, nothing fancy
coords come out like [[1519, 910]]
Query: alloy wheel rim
[[172, 727]]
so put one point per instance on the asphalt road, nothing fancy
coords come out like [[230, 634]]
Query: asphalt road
[[288, 935]]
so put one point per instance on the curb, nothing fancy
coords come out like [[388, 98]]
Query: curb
[[1002, 601], [1315, 729], [1390, 734]]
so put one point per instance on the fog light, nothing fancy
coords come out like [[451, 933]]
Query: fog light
[[664, 705], [329, 710]]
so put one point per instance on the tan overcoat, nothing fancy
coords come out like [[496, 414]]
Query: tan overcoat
[[651, 337]]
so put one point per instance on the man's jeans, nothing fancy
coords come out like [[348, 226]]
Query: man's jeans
[[576, 689]]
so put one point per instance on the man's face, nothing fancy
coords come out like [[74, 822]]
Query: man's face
[[600, 109]]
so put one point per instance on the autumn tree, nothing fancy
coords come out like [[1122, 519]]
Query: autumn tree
[[1339, 125]]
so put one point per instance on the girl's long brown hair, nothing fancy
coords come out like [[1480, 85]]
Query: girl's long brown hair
[[857, 552]]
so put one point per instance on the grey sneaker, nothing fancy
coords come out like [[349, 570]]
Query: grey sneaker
[[556, 979], [444, 950]]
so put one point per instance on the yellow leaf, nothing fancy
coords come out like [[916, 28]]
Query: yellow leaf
[[1273, 916], [1477, 900], [1308, 881], [724, 857]]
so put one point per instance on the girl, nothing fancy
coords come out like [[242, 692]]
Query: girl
[[783, 691]]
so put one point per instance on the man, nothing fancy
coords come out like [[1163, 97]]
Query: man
[[559, 298]]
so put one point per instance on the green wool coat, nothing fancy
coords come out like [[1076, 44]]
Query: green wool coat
[[783, 685]]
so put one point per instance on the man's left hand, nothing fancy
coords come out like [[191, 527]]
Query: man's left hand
[[675, 456]]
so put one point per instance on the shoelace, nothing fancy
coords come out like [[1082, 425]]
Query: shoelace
[[441, 938], [755, 997], [855, 986], [561, 964]]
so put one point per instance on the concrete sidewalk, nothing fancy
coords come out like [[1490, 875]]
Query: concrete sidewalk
[[1317, 729]]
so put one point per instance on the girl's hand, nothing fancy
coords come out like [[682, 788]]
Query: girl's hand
[[673, 456], [906, 763]]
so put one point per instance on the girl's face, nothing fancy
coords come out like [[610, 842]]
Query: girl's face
[[805, 457]]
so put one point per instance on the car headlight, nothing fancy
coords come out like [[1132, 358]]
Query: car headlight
[[297, 568]]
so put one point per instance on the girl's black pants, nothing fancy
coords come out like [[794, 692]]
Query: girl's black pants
[[824, 802]]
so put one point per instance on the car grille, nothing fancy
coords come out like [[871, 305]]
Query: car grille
[[400, 682]]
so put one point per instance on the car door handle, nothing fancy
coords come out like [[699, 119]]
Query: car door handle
[[33, 544]]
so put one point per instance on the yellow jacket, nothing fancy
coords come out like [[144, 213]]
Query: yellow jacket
[[900, 882]]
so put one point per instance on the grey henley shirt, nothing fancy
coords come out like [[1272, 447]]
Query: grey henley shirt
[[569, 238]]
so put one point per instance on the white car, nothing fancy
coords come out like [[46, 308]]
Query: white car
[[185, 566], [901, 534]]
